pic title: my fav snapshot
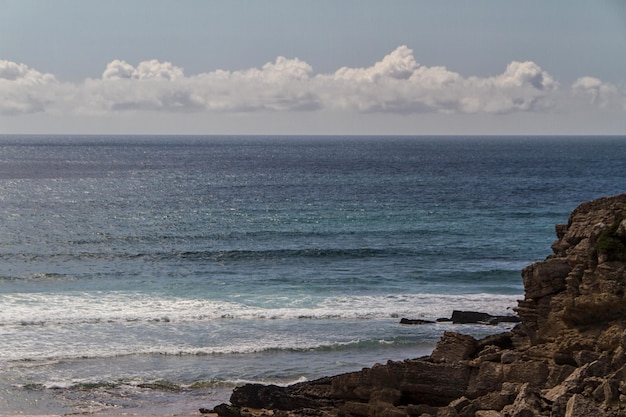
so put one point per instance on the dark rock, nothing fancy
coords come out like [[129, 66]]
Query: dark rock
[[475, 317], [224, 410], [312, 394], [421, 409], [257, 396], [419, 381], [415, 321], [504, 319], [501, 340], [470, 317], [355, 408]]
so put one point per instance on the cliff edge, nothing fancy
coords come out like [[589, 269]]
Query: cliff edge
[[566, 358]]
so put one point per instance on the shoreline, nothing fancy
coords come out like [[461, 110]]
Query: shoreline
[[110, 402], [567, 356]]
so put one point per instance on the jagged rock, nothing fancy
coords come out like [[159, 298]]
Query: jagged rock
[[567, 357], [460, 403], [454, 347], [423, 382], [487, 354], [558, 374], [579, 406], [501, 340], [489, 378], [572, 384], [314, 394], [527, 403], [495, 400]]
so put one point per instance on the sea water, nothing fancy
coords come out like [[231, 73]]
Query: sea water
[[146, 275]]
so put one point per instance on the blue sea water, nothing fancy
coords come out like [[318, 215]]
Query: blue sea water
[[150, 275]]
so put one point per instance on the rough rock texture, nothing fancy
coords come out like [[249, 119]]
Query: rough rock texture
[[566, 358]]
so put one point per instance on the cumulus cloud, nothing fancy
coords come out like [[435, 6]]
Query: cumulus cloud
[[597, 92], [400, 65], [146, 70], [520, 74], [23, 89], [397, 83], [152, 85]]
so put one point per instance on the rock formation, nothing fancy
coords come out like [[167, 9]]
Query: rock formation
[[566, 358]]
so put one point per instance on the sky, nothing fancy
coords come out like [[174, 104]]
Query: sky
[[398, 67]]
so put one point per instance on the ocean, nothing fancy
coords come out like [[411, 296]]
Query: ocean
[[150, 275]]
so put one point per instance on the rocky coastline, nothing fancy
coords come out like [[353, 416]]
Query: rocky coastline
[[567, 357]]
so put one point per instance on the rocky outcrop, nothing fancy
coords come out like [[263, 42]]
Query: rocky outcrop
[[466, 317], [566, 358]]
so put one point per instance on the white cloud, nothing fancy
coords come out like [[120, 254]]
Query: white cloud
[[117, 70], [598, 93], [146, 70], [525, 74], [400, 65], [395, 84], [23, 89], [523, 86], [399, 84], [22, 74]]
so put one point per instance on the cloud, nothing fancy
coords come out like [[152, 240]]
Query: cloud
[[401, 85], [395, 84], [23, 89], [525, 74], [282, 85], [399, 65], [146, 70], [523, 86], [598, 93]]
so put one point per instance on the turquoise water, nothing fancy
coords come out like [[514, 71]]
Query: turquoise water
[[156, 273]]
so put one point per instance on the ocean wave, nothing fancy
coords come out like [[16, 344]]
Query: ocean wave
[[269, 347], [42, 309], [149, 384], [222, 255]]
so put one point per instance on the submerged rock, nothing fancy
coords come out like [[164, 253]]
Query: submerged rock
[[567, 357]]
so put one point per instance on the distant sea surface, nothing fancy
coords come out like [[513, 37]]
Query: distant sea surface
[[151, 275]]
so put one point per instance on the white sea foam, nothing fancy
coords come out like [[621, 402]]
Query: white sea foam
[[44, 327], [36, 309]]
